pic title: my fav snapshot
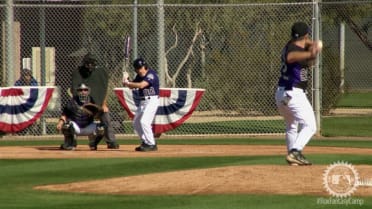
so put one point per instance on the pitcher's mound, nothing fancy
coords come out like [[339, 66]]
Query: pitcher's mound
[[262, 179]]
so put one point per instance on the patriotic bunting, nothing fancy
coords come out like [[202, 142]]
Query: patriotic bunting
[[176, 105], [22, 106]]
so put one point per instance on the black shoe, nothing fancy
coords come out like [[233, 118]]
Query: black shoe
[[113, 146], [66, 147], [146, 148], [92, 147], [296, 158]]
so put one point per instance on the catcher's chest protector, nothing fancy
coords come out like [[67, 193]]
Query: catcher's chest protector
[[79, 116]]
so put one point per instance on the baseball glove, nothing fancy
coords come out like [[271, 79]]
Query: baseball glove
[[93, 110]]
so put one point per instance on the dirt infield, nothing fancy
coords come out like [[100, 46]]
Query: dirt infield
[[127, 151], [258, 179]]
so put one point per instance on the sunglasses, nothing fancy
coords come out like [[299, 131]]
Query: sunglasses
[[83, 90]]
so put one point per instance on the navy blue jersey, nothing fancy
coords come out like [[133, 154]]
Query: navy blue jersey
[[22, 82], [293, 74], [74, 112], [152, 89]]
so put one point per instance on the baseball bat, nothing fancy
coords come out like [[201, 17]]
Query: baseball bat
[[126, 55]]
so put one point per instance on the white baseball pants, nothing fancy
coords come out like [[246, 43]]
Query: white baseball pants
[[144, 117], [298, 115], [88, 130]]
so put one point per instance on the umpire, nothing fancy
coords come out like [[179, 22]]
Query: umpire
[[97, 79]]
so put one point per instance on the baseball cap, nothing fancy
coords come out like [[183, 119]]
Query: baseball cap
[[89, 59], [299, 29]]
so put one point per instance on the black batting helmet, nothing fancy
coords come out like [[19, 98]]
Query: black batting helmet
[[138, 63]]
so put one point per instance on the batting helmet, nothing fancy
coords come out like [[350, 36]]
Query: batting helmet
[[138, 63]]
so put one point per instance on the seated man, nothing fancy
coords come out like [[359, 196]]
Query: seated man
[[26, 79], [79, 120]]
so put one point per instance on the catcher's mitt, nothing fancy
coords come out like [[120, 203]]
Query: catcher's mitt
[[93, 110]]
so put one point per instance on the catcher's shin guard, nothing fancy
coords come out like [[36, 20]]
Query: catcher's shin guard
[[69, 135], [100, 129], [97, 136]]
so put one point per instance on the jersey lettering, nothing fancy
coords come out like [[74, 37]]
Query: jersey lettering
[[303, 74], [149, 92]]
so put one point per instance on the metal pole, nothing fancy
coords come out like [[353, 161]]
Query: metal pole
[[9, 27], [135, 26], [316, 73], [42, 58], [342, 57], [161, 49]]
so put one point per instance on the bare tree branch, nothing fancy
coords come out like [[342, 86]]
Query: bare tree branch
[[198, 31], [188, 74], [363, 36], [175, 41], [169, 79]]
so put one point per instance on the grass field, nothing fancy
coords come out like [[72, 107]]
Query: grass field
[[19, 176], [356, 100]]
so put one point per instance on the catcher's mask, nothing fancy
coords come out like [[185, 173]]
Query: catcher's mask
[[83, 93]]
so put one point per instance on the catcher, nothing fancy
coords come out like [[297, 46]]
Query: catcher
[[79, 118]]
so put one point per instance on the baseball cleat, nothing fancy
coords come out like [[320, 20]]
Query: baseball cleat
[[292, 164], [146, 148], [66, 147], [296, 157], [113, 146]]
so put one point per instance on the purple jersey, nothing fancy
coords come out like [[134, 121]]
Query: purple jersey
[[293, 74], [74, 112], [152, 89]]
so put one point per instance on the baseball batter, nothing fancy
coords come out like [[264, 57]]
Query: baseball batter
[[297, 58], [147, 83]]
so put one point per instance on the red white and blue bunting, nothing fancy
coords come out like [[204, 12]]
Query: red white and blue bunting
[[176, 106], [22, 106]]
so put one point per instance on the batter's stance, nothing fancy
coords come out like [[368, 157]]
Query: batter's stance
[[297, 57], [147, 83]]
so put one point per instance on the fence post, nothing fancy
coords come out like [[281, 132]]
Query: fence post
[[342, 57], [42, 58], [316, 73], [161, 44], [135, 31], [9, 27]]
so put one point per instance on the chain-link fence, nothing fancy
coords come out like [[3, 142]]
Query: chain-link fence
[[231, 50]]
